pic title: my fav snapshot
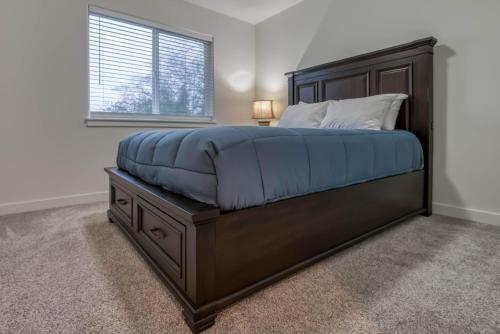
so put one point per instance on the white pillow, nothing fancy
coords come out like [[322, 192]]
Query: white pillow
[[361, 113], [392, 114], [303, 115]]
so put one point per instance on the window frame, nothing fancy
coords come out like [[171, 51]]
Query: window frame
[[117, 119]]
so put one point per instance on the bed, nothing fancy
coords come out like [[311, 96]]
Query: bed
[[247, 206]]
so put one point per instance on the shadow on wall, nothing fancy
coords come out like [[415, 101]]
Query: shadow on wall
[[442, 53], [286, 47], [307, 59]]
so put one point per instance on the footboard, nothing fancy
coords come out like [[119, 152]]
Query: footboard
[[176, 236]]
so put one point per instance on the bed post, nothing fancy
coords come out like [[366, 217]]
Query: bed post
[[429, 150], [421, 119], [291, 87]]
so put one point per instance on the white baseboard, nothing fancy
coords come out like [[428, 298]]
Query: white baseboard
[[482, 216], [53, 202]]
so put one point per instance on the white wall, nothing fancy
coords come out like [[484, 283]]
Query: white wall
[[467, 109], [46, 150]]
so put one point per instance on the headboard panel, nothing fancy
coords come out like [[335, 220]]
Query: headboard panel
[[405, 68]]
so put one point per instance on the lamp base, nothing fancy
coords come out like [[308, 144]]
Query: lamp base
[[264, 123]]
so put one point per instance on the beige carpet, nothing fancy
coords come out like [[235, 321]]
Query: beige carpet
[[69, 271]]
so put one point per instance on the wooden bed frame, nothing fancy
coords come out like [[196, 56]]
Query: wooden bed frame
[[210, 259]]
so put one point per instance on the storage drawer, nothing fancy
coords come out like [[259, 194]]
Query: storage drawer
[[122, 200], [121, 203], [163, 238]]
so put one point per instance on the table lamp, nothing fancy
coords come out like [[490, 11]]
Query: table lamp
[[263, 112]]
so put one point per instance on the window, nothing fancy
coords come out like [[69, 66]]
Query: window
[[138, 70]]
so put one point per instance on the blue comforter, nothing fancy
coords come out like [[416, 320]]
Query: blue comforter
[[235, 167]]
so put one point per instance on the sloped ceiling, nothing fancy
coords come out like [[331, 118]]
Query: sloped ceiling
[[252, 11]]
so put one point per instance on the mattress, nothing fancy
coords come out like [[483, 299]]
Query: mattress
[[235, 167]]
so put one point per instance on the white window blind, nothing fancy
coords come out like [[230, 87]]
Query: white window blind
[[140, 70]]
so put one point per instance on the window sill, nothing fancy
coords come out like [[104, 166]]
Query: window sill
[[147, 123]]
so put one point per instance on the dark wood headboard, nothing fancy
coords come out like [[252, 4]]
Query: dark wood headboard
[[405, 68]]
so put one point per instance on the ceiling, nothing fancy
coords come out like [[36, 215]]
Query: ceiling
[[252, 11]]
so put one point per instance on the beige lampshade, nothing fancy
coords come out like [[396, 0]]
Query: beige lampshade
[[263, 109]]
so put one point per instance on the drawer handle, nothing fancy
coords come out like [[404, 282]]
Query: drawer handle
[[158, 232], [122, 201]]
